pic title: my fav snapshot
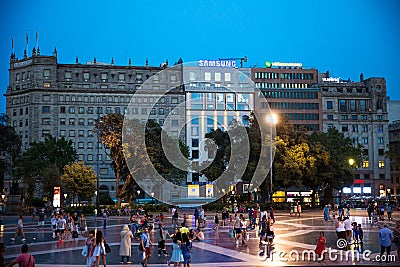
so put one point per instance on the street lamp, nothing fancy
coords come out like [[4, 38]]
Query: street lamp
[[65, 199], [272, 120], [3, 201], [152, 197], [138, 194]]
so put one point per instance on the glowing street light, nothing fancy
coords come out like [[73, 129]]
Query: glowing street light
[[272, 120]]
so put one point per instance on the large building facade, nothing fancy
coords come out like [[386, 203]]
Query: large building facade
[[291, 91], [359, 111], [46, 98]]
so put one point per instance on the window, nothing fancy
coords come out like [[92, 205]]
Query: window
[[62, 133], [380, 140], [173, 78], [81, 133], [207, 76], [90, 121], [90, 157], [161, 111], [46, 121], [90, 110], [68, 75], [174, 122], [71, 110], [46, 85], [363, 105], [161, 122], [90, 145], [72, 121], [86, 76], [46, 73], [354, 117], [342, 105], [103, 171], [365, 128], [108, 110], [364, 117], [380, 128], [121, 76], [45, 133], [195, 142], [81, 121], [366, 176], [62, 121], [195, 131], [352, 105], [227, 77], [138, 76], [90, 133], [104, 76], [80, 145], [344, 117], [71, 133], [195, 154], [365, 140], [355, 127], [192, 76], [329, 105], [381, 152], [217, 76], [365, 164], [379, 117], [46, 98], [144, 111], [345, 128], [381, 164], [46, 109], [62, 109]]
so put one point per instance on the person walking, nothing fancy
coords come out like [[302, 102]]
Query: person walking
[[82, 225], [161, 237], [104, 219], [340, 229], [90, 244], [347, 227], [23, 260], [53, 222], [389, 212], [20, 229], [187, 255], [299, 209], [175, 217], [216, 222], [61, 228], [385, 240], [237, 228], [321, 246], [125, 250], [100, 249], [326, 213], [243, 226], [146, 243]]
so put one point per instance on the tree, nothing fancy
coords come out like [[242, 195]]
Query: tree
[[79, 180], [338, 172], [35, 163], [10, 143], [111, 127]]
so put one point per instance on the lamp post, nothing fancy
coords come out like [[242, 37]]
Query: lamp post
[[65, 199], [138, 194], [3, 202], [272, 120], [152, 197]]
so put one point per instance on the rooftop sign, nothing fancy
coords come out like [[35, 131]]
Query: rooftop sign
[[331, 79], [270, 64], [218, 63]]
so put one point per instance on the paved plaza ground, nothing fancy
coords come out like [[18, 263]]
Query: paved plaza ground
[[292, 234]]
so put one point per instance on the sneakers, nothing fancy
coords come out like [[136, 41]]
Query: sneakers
[[12, 238], [23, 239]]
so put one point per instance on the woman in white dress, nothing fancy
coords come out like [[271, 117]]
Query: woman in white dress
[[177, 255]]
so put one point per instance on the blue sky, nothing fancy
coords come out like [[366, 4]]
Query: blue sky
[[344, 37]]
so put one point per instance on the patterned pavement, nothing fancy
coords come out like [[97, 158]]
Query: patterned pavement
[[293, 235]]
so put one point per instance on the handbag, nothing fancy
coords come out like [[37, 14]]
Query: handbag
[[107, 247], [84, 251], [231, 233]]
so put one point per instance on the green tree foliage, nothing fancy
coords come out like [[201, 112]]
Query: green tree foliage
[[336, 172], [43, 158], [111, 127], [79, 180], [394, 155], [10, 143]]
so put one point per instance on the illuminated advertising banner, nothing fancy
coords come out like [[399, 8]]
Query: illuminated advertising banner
[[210, 190], [57, 197], [270, 64], [193, 190], [217, 63]]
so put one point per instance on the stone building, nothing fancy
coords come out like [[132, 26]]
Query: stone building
[[359, 110], [45, 97]]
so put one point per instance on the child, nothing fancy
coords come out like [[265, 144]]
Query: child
[[359, 233], [216, 222]]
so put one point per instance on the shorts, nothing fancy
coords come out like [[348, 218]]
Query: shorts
[[61, 231], [238, 231], [147, 251]]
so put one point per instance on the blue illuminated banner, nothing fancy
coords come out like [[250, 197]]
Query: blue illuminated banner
[[218, 63]]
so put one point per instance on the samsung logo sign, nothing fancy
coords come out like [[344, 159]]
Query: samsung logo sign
[[217, 63]]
